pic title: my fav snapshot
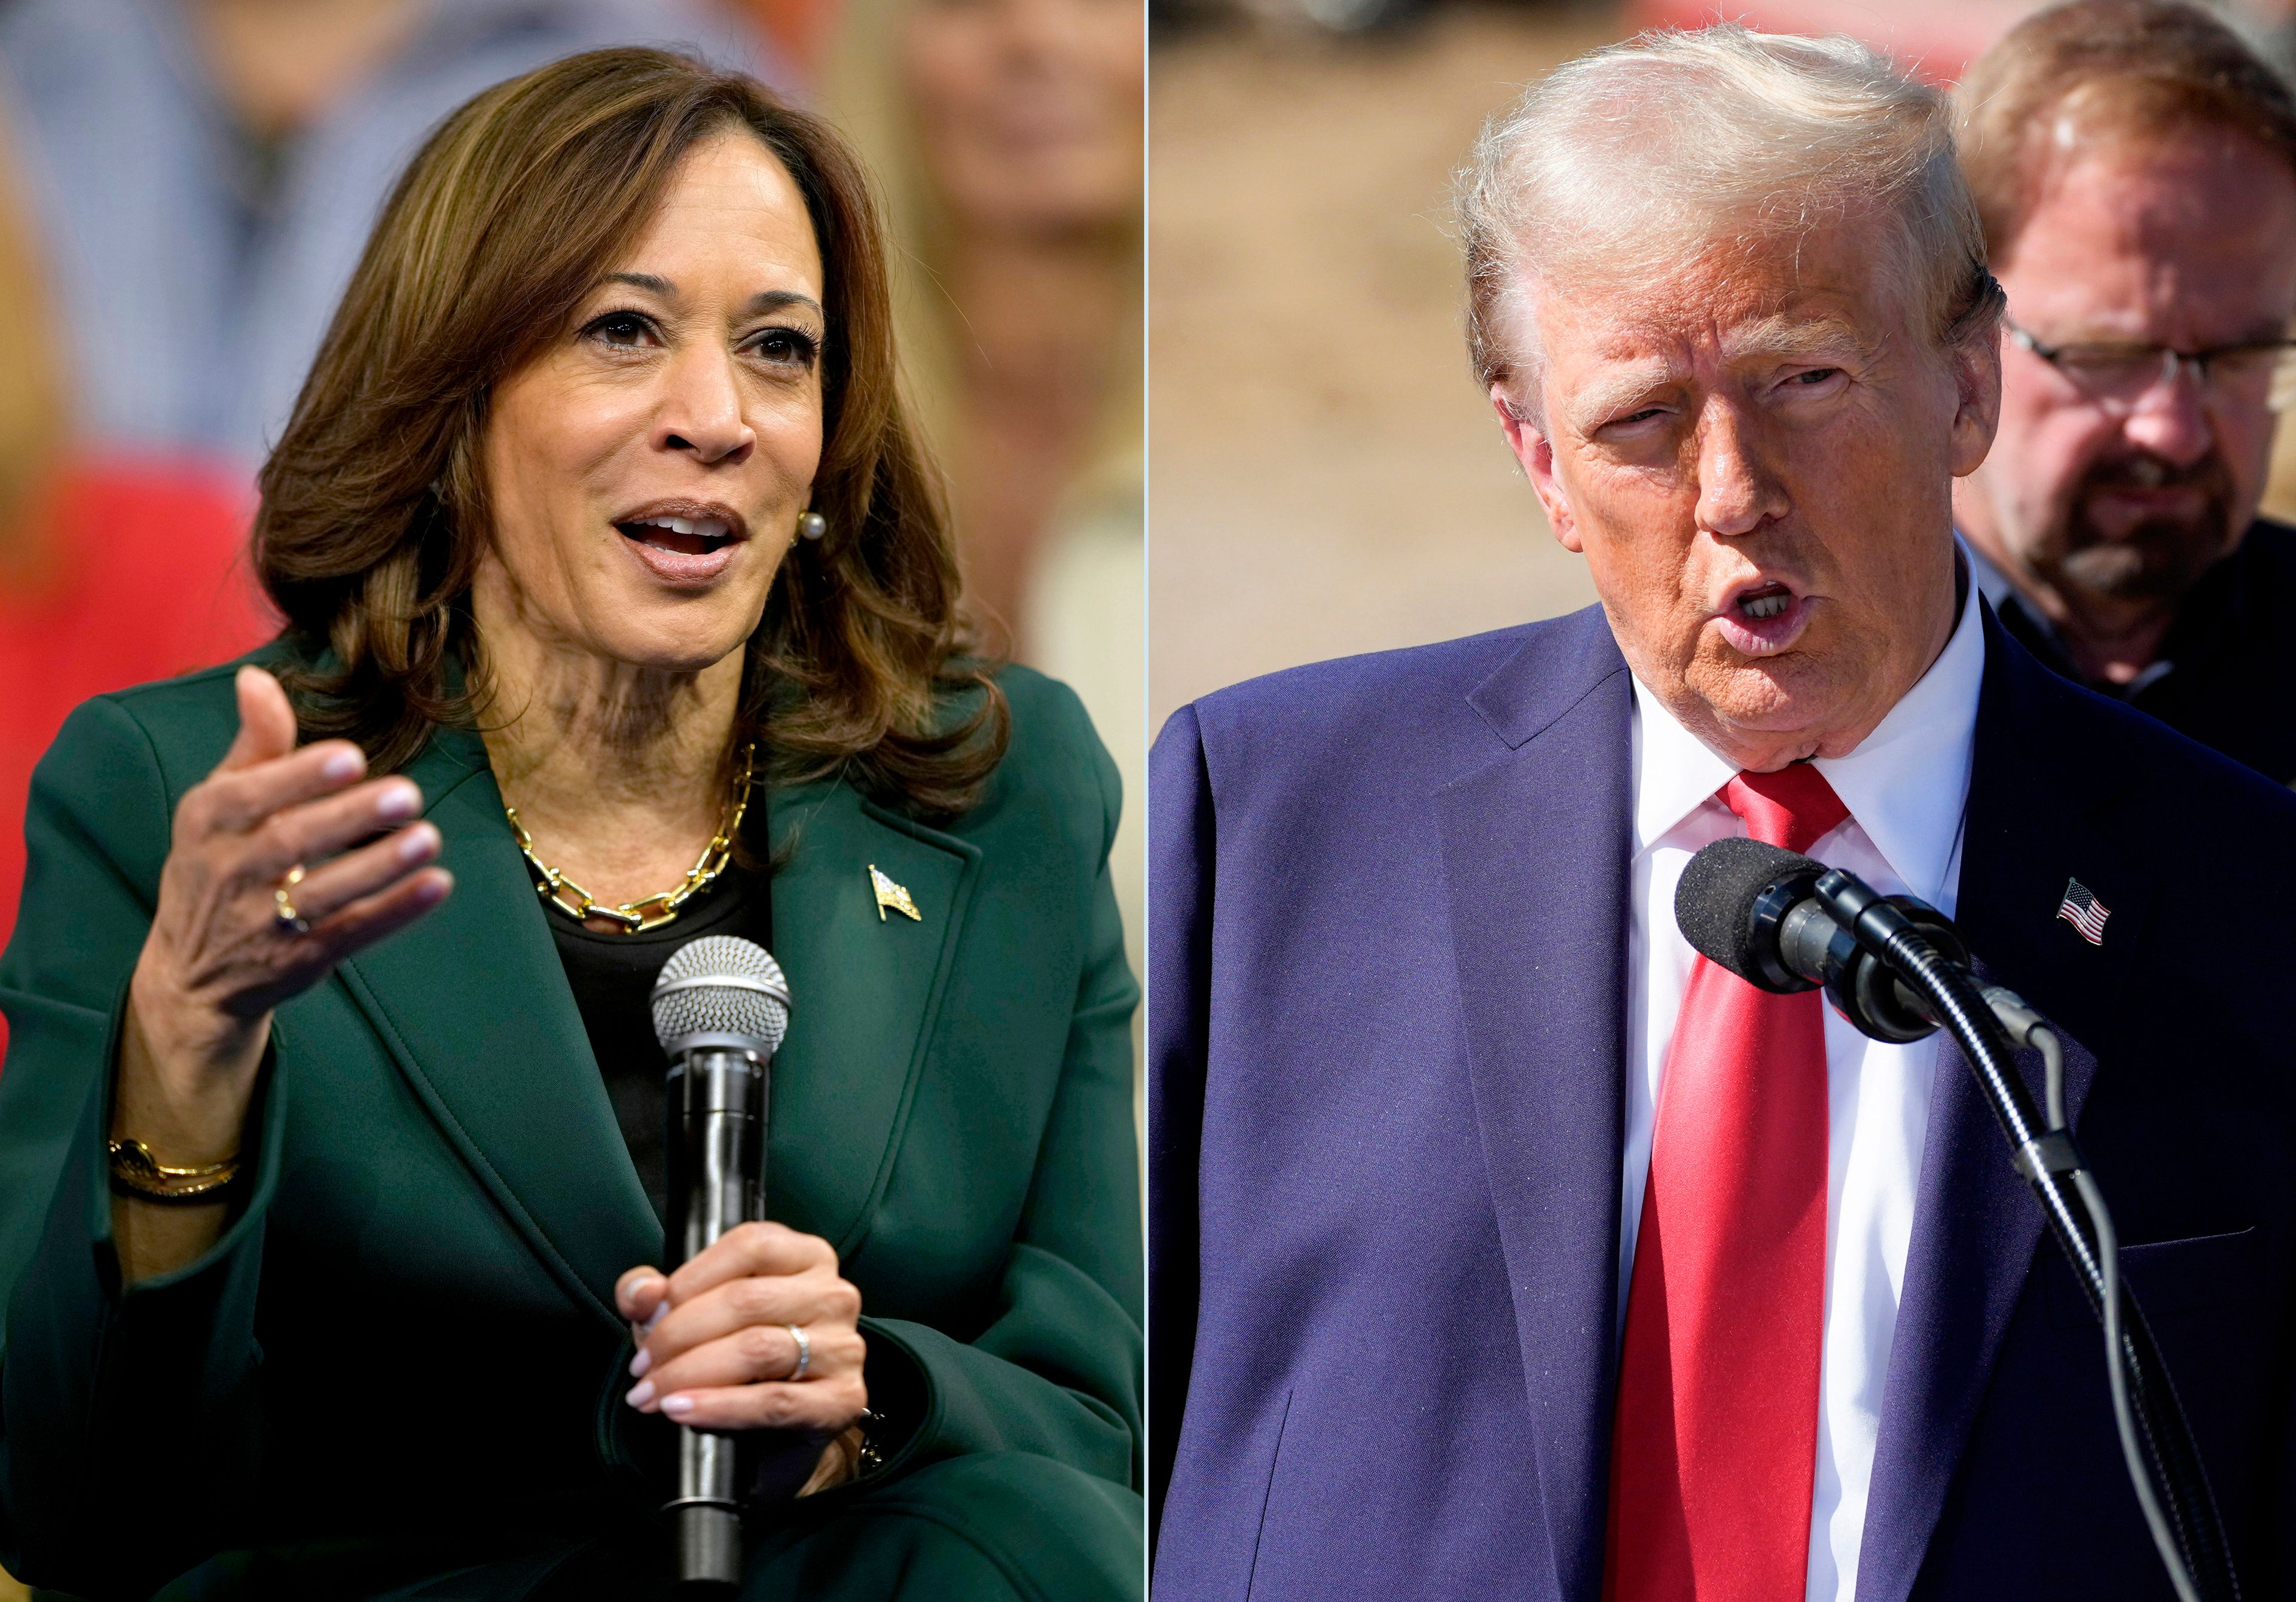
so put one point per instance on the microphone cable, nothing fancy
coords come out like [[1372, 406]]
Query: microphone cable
[[2029, 1028], [2188, 1532]]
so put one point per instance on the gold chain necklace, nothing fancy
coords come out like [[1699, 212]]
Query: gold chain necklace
[[647, 912]]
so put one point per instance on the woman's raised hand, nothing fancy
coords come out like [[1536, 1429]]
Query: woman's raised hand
[[716, 1347], [222, 952]]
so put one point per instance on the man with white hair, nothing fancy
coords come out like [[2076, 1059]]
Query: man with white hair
[[1502, 1247]]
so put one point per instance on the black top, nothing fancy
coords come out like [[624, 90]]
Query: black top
[[2223, 675], [612, 977]]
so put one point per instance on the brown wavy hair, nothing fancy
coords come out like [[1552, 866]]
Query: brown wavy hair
[[2142, 69], [374, 508]]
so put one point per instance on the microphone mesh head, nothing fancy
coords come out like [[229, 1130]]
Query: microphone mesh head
[[1714, 900], [736, 1008]]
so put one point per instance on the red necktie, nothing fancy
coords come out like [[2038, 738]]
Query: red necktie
[[1716, 1435]]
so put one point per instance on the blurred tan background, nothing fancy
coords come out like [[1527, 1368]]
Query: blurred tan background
[[1324, 476]]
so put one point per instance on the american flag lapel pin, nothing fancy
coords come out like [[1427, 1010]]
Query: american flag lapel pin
[[892, 895], [2082, 909]]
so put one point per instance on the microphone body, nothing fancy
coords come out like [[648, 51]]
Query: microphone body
[[720, 1009]]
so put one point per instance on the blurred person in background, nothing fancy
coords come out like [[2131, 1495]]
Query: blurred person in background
[[796, 31], [207, 170], [113, 570], [2134, 166], [1008, 136]]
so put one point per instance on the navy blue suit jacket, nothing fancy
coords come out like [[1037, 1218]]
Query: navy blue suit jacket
[[1387, 1046]]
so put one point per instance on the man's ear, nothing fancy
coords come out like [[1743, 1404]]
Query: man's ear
[[1976, 365], [1531, 448]]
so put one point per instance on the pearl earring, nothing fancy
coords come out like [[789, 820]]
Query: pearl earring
[[811, 525]]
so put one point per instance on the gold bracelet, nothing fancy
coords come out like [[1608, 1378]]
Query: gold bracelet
[[136, 1173]]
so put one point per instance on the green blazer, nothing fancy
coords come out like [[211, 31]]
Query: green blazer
[[404, 1347]]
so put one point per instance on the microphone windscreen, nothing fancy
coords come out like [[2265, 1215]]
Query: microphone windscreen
[[721, 984], [1714, 900]]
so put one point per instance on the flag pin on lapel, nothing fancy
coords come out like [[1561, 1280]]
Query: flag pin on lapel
[[890, 894], [2082, 909]]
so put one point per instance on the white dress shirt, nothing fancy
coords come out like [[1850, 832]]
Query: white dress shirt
[[1904, 788]]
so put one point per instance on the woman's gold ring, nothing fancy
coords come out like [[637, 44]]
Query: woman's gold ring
[[804, 1351], [283, 913]]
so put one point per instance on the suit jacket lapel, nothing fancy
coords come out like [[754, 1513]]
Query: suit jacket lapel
[[866, 986], [1536, 848], [474, 1008], [473, 1005], [1976, 1225]]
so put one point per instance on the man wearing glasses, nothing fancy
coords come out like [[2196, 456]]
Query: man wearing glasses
[[2135, 166]]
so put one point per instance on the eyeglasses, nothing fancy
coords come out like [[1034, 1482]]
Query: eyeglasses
[[2116, 377]]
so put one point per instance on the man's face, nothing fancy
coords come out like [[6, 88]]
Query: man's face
[[1754, 455], [2106, 503]]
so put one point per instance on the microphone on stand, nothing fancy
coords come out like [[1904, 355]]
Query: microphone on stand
[[1898, 970], [720, 1009], [1755, 909]]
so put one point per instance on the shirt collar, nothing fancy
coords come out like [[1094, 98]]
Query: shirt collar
[[1675, 771], [1905, 785], [1991, 582]]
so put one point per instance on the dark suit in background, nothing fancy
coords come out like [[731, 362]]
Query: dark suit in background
[[1387, 1028], [2225, 674]]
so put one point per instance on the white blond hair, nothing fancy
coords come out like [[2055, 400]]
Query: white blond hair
[[1644, 155]]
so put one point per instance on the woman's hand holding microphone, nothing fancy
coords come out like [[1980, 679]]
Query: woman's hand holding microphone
[[758, 1332], [243, 922]]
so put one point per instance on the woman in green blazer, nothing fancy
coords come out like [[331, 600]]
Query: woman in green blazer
[[327, 1255]]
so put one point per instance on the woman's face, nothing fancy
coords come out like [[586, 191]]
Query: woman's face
[[1028, 112], [646, 470]]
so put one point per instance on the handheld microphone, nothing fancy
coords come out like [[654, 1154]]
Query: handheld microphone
[[1898, 970], [720, 1009]]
